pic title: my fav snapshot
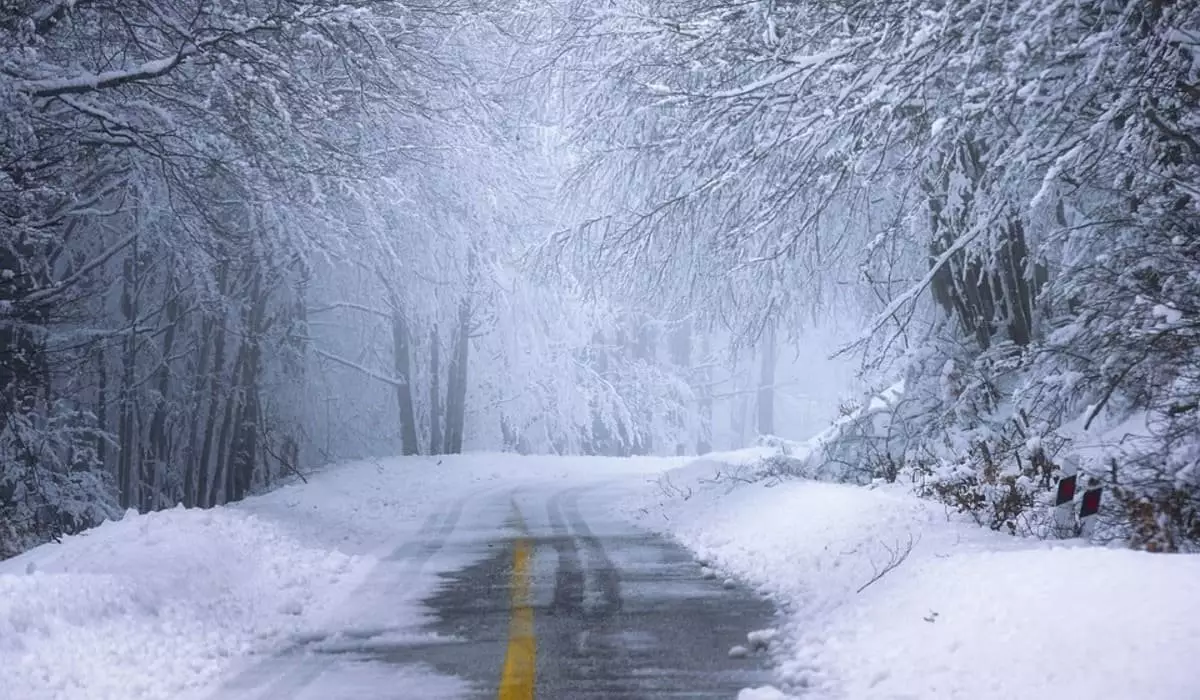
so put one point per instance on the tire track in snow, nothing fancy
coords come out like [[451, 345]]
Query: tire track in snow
[[568, 576], [585, 651], [607, 575]]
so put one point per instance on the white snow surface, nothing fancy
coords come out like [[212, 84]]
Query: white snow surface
[[177, 593], [166, 605], [968, 614]]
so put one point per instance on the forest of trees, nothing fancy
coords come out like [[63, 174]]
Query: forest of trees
[[241, 240], [1008, 190]]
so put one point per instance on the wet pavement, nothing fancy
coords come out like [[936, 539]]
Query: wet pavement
[[617, 613]]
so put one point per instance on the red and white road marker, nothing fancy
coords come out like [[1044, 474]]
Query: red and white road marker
[[1064, 499], [1089, 506]]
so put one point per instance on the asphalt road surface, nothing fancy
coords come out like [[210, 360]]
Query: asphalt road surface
[[555, 599]]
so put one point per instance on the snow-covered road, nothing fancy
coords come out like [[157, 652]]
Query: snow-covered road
[[379, 612], [228, 603], [479, 574], [612, 612]]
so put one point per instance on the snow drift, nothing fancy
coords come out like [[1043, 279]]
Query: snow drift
[[885, 595]]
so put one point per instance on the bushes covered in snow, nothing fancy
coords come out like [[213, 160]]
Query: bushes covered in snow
[[49, 484], [966, 435]]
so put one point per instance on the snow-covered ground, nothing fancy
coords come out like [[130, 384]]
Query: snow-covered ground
[[170, 604], [164, 605], [967, 614]]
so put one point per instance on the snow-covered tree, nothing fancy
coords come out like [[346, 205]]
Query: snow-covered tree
[[1010, 181]]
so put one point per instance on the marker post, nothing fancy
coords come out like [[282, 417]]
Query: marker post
[[1089, 507], [1064, 499]]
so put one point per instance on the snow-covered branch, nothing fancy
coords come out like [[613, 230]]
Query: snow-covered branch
[[378, 313], [367, 371]]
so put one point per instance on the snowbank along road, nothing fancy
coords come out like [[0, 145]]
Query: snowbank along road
[[543, 594], [498, 576]]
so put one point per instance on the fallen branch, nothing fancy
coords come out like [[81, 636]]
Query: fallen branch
[[671, 490], [896, 557]]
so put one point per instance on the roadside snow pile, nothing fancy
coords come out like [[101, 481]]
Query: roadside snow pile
[[154, 604], [967, 613]]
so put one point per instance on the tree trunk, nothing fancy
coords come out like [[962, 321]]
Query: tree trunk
[[221, 484], [127, 481], [295, 344], [191, 489], [739, 417], [245, 441], [679, 345], [401, 344], [204, 465], [435, 389], [766, 384], [247, 452], [645, 342], [159, 440], [101, 441], [456, 385], [602, 441], [705, 407], [739, 405]]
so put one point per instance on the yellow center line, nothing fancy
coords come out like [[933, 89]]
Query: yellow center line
[[517, 680]]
